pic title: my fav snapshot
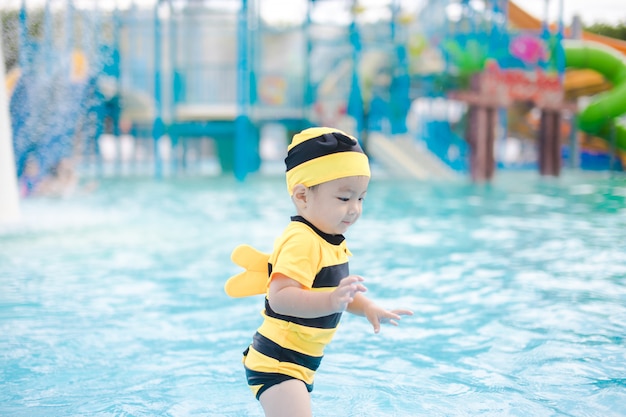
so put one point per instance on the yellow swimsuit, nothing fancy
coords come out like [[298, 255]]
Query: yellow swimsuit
[[286, 347]]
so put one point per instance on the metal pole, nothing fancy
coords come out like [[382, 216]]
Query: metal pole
[[242, 129], [23, 37], [308, 89], [355, 100], [157, 127]]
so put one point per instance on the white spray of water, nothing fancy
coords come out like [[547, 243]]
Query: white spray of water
[[9, 198]]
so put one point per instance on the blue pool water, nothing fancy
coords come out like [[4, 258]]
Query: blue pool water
[[111, 303]]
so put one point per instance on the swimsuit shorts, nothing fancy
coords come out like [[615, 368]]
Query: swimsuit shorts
[[259, 382]]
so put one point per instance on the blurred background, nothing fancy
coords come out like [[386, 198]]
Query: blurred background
[[207, 87], [141, 141]]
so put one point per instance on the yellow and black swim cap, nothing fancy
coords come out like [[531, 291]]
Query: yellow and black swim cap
[[321, 154]]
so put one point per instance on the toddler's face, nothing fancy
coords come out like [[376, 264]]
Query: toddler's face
[[335, 205]]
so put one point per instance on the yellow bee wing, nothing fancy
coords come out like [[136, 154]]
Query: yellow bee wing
[[252, 281]]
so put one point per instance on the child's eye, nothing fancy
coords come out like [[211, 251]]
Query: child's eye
[[344, 199]]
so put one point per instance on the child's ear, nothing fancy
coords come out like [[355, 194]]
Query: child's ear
[[300, 194]]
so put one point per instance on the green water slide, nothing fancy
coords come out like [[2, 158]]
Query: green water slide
[[597, 118]]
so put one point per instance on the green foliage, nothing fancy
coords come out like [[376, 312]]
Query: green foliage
[[469, 58], [617, 31]]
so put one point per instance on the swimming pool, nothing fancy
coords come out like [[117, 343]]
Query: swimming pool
[[112, 302]]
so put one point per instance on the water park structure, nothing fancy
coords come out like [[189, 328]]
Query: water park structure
[[433, 90], [593, 64]]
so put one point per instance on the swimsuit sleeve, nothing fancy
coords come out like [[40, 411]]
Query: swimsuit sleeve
[[297, 254]]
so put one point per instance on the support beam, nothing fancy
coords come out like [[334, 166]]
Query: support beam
[[158, 127], [480, 136], [549, 143], [242, 122]]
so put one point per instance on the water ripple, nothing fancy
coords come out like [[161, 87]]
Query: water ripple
[[113, 304]]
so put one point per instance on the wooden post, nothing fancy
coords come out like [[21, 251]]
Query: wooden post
[[556, 144], [549, 142], [480, 136], [490, 160], [480, 130]]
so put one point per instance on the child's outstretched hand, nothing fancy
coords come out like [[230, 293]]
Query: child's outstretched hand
[[344, 294], [377, 315]]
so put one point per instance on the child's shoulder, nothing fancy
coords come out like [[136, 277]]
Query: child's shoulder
[[299, 231]]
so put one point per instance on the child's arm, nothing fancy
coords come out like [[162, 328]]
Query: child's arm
[[363, 306], [286, 296]]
